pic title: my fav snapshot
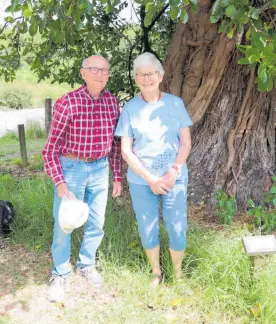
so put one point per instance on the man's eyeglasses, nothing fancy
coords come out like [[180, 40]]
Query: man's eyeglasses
[[143, 75], [95, 70]]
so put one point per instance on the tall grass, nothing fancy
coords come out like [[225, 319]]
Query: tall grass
[[219, 285], [33, 130]]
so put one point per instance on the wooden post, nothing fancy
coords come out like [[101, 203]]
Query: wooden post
[[23, 147], [48, 114]]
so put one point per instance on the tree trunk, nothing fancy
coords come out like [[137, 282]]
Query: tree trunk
[[234, 124]]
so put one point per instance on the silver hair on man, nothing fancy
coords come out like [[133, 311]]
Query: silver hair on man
[[147, 59]]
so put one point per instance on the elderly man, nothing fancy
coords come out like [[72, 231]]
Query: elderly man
[[77, 154]]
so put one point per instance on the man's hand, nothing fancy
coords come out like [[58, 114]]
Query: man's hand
[[63, 190], [117, 189]]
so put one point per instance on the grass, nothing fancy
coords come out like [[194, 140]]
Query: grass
[[38, 91], [35, 140], [219, 284]]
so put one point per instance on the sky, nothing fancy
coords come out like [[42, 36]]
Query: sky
[[3, 5], [127, 13]]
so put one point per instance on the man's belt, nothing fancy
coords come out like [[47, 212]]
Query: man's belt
[[75, 157]]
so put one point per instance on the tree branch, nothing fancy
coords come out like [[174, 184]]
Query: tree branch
[[157, 17], [4, 27], [265, 7], [129, 69]]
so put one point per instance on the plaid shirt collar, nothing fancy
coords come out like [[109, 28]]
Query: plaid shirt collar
[[86, 91]]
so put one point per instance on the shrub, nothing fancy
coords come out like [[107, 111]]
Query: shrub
[[225, 207], [265, 214], [17, 99]]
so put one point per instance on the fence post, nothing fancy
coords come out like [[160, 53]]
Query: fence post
[[48, 114], [23, 147]]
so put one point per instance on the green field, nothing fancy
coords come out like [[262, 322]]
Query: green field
[[26, 81]]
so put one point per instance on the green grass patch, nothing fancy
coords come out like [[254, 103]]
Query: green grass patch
[[219, 285], [10, 150]]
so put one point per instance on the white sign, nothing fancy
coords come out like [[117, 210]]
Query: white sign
[[258, 245]]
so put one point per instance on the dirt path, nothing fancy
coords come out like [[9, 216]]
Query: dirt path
[[23, 290]]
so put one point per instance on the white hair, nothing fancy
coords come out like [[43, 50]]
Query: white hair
[[85, 62], [147, 59]]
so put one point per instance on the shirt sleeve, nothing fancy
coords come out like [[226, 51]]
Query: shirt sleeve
[[124, 127], [185, 120], [50, 153], [115, 159]]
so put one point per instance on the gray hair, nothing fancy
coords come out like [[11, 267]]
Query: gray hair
[[147, 59]]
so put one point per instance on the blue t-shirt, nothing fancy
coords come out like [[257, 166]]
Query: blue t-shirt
[[155, 129]]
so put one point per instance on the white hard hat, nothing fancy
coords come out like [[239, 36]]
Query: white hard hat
[[73, 213]]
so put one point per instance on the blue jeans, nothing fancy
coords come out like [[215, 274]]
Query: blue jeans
[[174, 208], [89, 182]]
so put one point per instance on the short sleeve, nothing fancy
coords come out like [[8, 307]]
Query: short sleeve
[[185, 120], [124, 127]]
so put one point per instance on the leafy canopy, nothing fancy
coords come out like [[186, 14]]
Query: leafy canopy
[[56, 35]]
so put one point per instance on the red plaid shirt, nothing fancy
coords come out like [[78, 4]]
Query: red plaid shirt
[[83, 126]]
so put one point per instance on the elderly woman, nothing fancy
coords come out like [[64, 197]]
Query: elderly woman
[[156, 142]]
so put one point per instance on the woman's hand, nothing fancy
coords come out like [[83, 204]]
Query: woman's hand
[[170, 177], [158, 186]]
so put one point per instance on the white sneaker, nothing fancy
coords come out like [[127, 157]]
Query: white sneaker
[[58, 286], [92, 276]]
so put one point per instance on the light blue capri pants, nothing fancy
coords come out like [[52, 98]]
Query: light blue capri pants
[[174, 208]]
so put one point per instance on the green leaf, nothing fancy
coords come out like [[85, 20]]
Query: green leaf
[[150, 14], [268, 50], [243, 48], [184, 16], [262, 73], [265, 86], [243, 19], [273, 190], [224, 26], [174, 3], [27, 13], [223, 3], [243, 60], [33, 26], [26, 50], [174, 12], [14, 5], [259, 39], [9, 19], [253, 55], [214, 19], [248, 34], [230, 34], [230, 11], [82, 4], [255, 14], [57, 36], [23, 27]]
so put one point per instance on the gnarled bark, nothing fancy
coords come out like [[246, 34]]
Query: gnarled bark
[[234, 124]]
